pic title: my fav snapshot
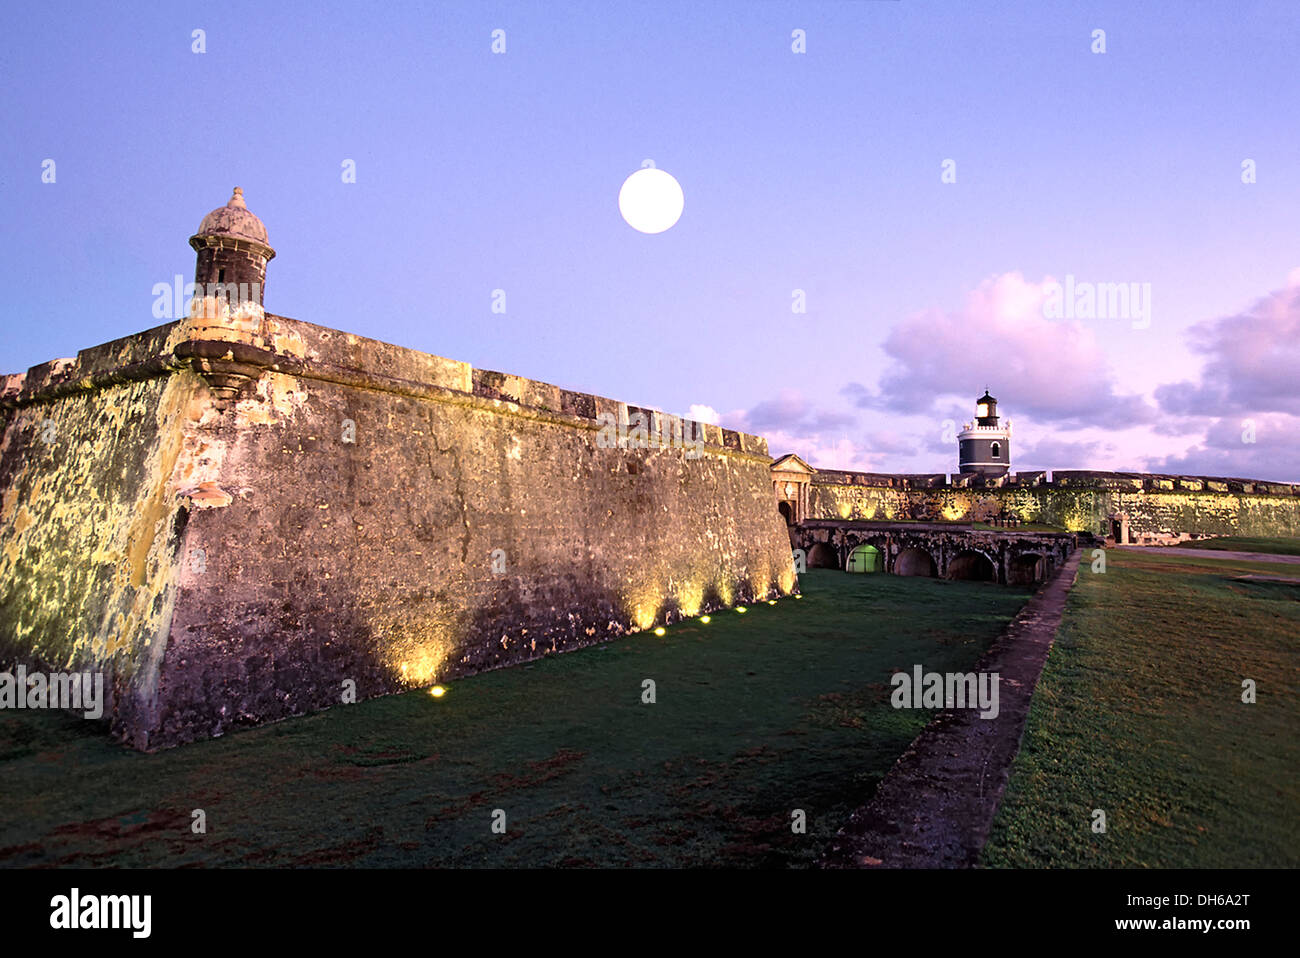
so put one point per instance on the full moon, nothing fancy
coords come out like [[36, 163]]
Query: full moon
[[651, 200]]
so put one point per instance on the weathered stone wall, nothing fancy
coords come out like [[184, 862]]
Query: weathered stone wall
[[241, 515], [843, 501], [91, 453], [1157, 508], [1016, 558]]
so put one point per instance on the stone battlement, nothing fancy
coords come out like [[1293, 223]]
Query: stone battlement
[[1059, 479], [1129, 507], [244, 345]]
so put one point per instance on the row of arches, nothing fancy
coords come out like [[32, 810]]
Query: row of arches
[[971, 565]]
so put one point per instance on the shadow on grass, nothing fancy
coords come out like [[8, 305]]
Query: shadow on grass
[[755, 715]]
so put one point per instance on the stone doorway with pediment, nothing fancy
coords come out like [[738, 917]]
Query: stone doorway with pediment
[[791, 481]]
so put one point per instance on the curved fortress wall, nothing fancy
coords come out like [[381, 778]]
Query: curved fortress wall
[[1142, 508], [234, 518]]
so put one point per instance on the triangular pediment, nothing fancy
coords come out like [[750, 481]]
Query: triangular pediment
[[792, 463]]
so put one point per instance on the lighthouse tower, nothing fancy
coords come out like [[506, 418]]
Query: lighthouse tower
[[984, 446]]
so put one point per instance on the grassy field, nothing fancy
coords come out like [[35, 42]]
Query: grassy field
[[1278, 546], [757, 714], [1139, 713]]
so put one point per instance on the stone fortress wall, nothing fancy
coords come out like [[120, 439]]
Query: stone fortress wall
[[233, 517], [1131, 508]]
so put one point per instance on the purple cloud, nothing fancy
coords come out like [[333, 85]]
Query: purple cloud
[[1252, 365], [1050, 369]]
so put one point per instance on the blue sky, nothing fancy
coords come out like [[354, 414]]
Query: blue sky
[[817, 171]]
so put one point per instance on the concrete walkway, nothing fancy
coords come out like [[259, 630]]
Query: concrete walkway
[[1213, 554], [936, 805]]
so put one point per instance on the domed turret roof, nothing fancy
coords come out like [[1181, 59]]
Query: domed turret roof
[[234, 220]]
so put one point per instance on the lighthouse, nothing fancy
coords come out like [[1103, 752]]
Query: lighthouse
[[984, 445]]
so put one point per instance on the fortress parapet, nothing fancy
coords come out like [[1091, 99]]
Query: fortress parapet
[[1126, 506], [923, 480], [1027, 480], [1058, 479], [1086, 479]]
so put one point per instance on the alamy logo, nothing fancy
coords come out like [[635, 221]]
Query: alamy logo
[[1077, 300], [74, 691], [74, 911], [934, 690], [642, 431], [179, 298]]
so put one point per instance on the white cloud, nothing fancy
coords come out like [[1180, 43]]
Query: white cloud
[[701, 413], [1055, 370]]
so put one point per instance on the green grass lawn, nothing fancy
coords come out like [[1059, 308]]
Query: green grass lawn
[[1279, 545], [784, 707], [1139, 713]]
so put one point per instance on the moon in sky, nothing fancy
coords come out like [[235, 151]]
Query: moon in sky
[[651, 200]]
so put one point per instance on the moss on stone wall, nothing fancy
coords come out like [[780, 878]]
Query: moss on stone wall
[[241, 516], [89, 530], [1154, 513]]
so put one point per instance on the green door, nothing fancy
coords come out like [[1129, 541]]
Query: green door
[[864, 559]]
